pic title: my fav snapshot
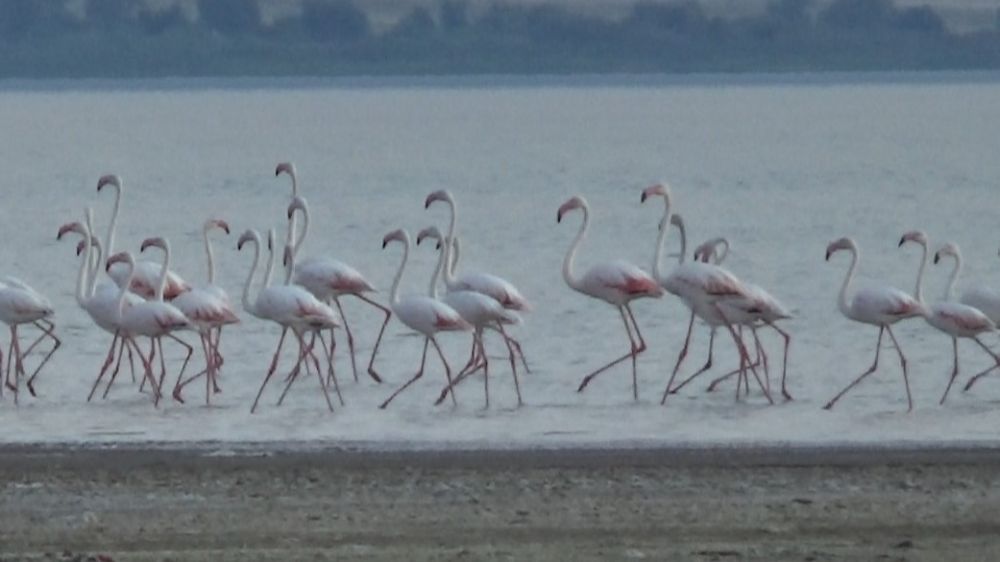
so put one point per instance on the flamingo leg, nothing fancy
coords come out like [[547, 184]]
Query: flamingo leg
[[388, 315], [902, 362], [513, 367], [108, 360], [878, 348], [329, 363], [350, 337], [10, 362], [486, 370], [635, 350], [420, 373], [705, 367], [761, 356], [984, 372], [123, 344], [680, 359], [954, 369], [158, 343], [185, 345], [744, 356], [319, 372], [47, 331], [148, 368], [271, 369], [447, 369], [784, 361], [305, 353]]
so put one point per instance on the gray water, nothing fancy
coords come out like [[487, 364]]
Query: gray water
[[779, 166]]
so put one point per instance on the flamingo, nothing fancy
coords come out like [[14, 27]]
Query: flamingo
[[146, 274], [488, 284], [617, 283], [425, 315], [479, 310], [20, 304], [329, 279], [880, 306], [702, 287], [99, 301], [758, 308], [208, 309], [153, 318], [289, 306], [955, 319]]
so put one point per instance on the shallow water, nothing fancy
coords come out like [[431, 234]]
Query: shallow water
[[779, 167]]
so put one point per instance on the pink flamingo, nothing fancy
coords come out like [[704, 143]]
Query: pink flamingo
[[99, 301], [20, 304], [209, 309], [146, 274], [290, 306], [703, 287], [328, 279], [479, 310], [425, 315], [617, 283], [153, 318], [488, 284], [880, 306], [952, 318]]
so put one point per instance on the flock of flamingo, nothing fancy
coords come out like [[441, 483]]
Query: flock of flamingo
[[142, 300]]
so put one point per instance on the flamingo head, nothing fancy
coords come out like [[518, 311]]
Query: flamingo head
[[71, 227], [439, 195], [120, 257], [298, 204], [709, 249], [660, 189], [575, 202], [949, 249], [285, 168], [398, 235], [109, 179], [840, 244], [217, 223], [82, 245], [288, 256], [156, 241], [249, 236], [430, 232], [918, 236]]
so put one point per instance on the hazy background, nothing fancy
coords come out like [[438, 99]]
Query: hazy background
[[128, 38]]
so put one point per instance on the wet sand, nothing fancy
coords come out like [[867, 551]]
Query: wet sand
[[260, 503]]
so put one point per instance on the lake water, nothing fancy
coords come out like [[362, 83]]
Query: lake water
[[779, 166]]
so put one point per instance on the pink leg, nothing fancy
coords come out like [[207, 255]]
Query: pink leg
[[108, 360], [705, 367], [513, 367], [186, 346], [985, 372], [635, 350], [680, 359], [47, 331], [388, 315], [954, 369], [123, 343], [744, 357], [784, 362], [270, 370], [878, 348], [420, 373], [350, 337], [447, 369], [331, 374]]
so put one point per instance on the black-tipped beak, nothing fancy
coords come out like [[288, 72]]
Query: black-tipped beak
[[558, 217], [828, 255], [642, 198], [438, 247], [902, 241], [384, 244], [937, 258]]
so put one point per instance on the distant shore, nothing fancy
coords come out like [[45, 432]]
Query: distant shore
[[222, 502]]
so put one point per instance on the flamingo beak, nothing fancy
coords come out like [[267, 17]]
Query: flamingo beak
[[828, 254], [223, 225], [902, 241], [559, 217], [642, 199], [64, 229], [438, 247], [937, 257], [384, 243]]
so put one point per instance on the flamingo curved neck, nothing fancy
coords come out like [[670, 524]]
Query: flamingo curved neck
[[247, 303], [683, 234], [453, 258], [567, 269], [953, 279], [84, 274], [297, 241], [443, 258], [269, 270], [210, 255], [449, 273], [291, 219], [661, 238], [162, 285], [123, 291], [95, 266], [842, 303], [109, 241], [918, 291], [721, 257], [394, 292]]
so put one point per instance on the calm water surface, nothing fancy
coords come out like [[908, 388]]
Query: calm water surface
[[779, 167]]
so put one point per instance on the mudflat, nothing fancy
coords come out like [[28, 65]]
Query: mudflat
[[252, 503]]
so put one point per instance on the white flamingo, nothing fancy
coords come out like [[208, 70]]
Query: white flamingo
[[154, 318], [290, 306], [955, 319], [703, 288], [477, 309], [617, 283], [880, 306], [329, 279], [146, 275], [488, 284], [209, 309], [99, 301], [20, 304], [425, 315]]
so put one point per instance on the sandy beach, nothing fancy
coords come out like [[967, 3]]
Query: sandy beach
[[211, 502]]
